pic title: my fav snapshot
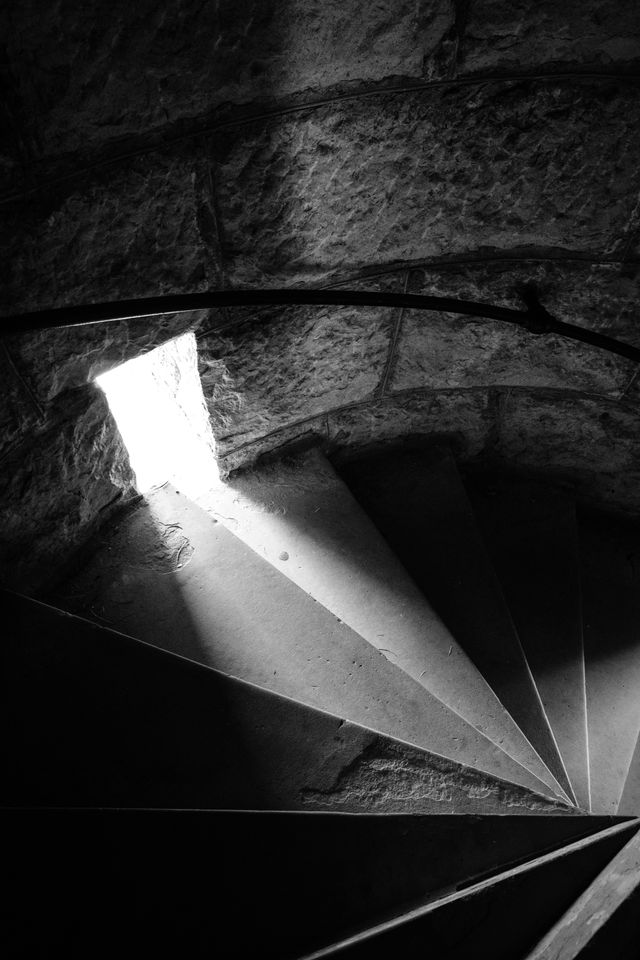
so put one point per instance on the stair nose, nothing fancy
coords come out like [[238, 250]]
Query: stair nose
[[530, 532], [98, 718], [221, 604], [417, 500], [301, 509], [494, 918]]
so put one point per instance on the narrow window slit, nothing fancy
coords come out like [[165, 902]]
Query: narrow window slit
[[160, 410]]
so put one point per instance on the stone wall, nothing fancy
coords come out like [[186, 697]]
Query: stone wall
[[439, 147], [498, 392], [61, 477]]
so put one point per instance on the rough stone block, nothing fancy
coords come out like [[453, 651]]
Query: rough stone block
[[307, 432], [460, 416], [56, 485], [435, 350], [126, 230], [79, 73], [516, 35], [440, 350], [286, 365], [18, 411], [592, 443], [58, 360], [599, 296], [391, 178]]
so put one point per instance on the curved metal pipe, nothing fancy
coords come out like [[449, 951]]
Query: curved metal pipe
[[535, 318]]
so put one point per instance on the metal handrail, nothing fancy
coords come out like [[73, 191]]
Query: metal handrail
[[535, 318]]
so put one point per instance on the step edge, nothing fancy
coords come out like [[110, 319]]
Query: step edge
[[551, 785], [161, 653], [565, 850], [596, 920]]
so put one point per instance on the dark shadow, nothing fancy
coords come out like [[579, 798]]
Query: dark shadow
[[610, 556], [181, 883], [98, 719], [530, 533]]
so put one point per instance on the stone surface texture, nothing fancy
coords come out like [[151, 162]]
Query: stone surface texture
[[125, 69], [438, 147], [20, 411], [461, 418], [57, 360], [598, 295], [449, 147], [438, 350], [506, 35], [126, 230], [399, 177], [285, 365], [57, 484], [594, 445], [427, 784]]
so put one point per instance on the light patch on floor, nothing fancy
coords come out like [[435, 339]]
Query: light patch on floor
[[159, 407]]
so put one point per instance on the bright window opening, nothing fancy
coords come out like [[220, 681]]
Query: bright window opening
[[158, 404]]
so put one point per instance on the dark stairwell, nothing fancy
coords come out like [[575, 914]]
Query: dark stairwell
[[375, 692]]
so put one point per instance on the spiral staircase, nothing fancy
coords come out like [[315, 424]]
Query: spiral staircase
[[383, 708]]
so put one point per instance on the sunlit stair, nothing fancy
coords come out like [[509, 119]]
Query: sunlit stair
[[370, 709]]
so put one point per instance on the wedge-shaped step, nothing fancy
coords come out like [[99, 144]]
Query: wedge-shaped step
[[501, 918], [630, 800], [172, 576], [419, 503], [183, 882], [610, 556], [531, 536], [301, 516], [94, 718], [605, 921]]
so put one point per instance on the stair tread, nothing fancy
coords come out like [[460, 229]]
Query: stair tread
[[610, 556], [494, 918], [530, 532], [172, 576], [307, 879], [301, 510], [630, 800], [417, 500], [605, 920], [98, 718]]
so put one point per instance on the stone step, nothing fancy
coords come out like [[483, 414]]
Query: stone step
[[605, 921], [501, 918], [630, 800], [100, 719], [181, 882], [172, 576], [530, 532], [418, 502], [300, 516], [610, 557]]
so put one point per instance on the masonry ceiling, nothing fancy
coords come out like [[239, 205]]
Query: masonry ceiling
[[456, 148]]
